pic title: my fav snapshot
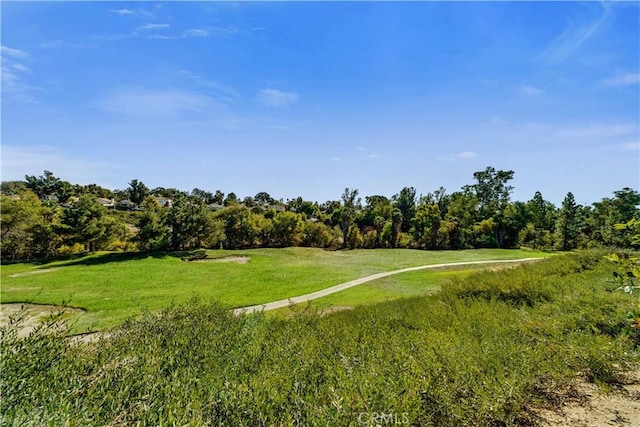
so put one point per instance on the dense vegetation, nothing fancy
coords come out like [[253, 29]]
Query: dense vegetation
[[46, 216], [484, 351]]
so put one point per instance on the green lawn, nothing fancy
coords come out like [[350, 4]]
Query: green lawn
[[115, 286], [405, 285]]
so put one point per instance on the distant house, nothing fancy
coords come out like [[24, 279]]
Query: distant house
[[107, 203], [126, 205], [164, 202], [278, 208], [215, 206]]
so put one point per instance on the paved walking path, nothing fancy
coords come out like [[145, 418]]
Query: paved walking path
[[337, 288]]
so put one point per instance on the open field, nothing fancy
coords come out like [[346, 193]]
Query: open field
[[114, 286], [502, 348], [404, 285]]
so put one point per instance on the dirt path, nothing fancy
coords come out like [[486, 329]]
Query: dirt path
[[592, 407], [337, 288], [32, 314]]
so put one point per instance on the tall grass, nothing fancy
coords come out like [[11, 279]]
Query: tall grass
[[484, 351]]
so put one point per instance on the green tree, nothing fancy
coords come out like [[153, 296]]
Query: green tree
[[491, 190], [206, 196], [95, 190], [317, 235], [538, 233], [231, 199], [396, 224], [354, 238], [515, 217], [348, 211], [493, 195], [239, 230], [153, 234], [263, 199], [137, 191], [426, 224], [568, 224], [440, 198], [405, 201], [64, 191], [463, 214], [287, 229], [18, 216], [218, 197], [13, 187], [44, 240], [43, 185], [190, 222], [85, 222], [450, 234]]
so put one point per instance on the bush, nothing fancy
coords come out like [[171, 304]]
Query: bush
[[76, 248]]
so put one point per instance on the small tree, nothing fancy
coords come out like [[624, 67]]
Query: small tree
[[153, 234], [568, 224], [137, 191]]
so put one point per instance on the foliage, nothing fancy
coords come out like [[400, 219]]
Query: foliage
[[405, 202], [445, 360], [153, 234], [480, 215], [567, 224], [137, 191], [627, 273]]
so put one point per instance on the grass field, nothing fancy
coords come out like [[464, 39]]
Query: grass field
[[114, 286], [405, 285], [487, 350]]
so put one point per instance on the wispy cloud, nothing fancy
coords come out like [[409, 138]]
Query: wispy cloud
[[277, 98], [196, 32], [619, 80], [170, 107], [123, 11], [154, 27], [220, 91], [14, 75], [374, 156], [210, 32], [462, 155], [336, 159], [631, 146], [157, 104], [147, 31], [61, 44], [528, 90], [20, 160], [8, 52], [605, 133], [597, 132], [131, 12], [578, 31]]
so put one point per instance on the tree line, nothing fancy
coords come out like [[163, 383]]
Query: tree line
[[44, 216]]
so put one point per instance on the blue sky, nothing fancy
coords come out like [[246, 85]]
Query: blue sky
[[305, 99]]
